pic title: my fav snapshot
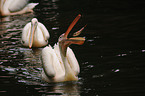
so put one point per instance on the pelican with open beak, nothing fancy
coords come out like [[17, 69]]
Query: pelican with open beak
[[59, 63], [35, 34], [14, 7]]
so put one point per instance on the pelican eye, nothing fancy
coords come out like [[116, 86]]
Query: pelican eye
[[23, 41]]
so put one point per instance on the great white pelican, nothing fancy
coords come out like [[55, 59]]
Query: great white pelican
[[59, 63], [35, 34]]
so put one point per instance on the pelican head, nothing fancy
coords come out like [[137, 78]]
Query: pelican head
[[64, 42], [34, 23]]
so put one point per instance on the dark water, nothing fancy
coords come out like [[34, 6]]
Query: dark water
[[112, 60]]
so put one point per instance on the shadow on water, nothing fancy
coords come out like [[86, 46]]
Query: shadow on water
[[111, 60]]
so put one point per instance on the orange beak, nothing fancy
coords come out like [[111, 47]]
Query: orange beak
[[33, 29], [65, 42], [72, 25]]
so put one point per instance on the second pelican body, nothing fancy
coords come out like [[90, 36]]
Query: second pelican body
[[59, 63], [35, 34]]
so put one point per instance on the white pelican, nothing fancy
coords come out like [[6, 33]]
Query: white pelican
[[14, 7], [59, 63], [35, 34]]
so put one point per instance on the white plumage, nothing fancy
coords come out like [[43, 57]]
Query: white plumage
[[35, 34], [59, 63], [14, 7], [53, 65]]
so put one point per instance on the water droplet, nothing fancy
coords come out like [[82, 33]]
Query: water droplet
[[90, 40], [3, 91], [90, 66], [142, 50], [116, 70], [55, 28], [98, 76], [121, 55]]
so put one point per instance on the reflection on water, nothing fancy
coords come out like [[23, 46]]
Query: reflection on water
[[63, 89], [20, 66], [111, 60]]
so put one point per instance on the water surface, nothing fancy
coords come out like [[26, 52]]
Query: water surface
[[112, 60]]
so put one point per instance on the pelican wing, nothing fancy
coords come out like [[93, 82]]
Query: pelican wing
[[25, 34], [73, 61], [52, 66], [47, 60], [17, 5], [44, 31]]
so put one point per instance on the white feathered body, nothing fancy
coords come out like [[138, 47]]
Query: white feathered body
[[41, 35], [53, 65], [14, 7]]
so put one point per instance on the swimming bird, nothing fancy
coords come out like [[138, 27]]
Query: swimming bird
[[14, 7], [35, 34], [59, 63]]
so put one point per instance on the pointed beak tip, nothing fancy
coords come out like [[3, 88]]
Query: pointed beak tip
[[30, 47], [79, 15]]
